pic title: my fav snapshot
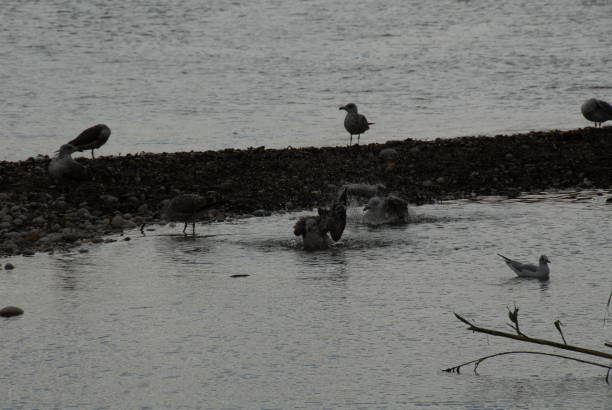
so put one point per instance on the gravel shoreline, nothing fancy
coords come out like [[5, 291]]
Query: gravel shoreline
[[127, 191]]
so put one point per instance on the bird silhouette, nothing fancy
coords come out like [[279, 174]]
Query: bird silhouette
[[355, 123]]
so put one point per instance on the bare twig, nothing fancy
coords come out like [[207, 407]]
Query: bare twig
[[558, 325], [457, 369]]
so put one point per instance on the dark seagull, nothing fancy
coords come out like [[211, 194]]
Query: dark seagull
[[92, 138], [355, 123], [190, 207], [64, 169], [314, 229], [597, 111]]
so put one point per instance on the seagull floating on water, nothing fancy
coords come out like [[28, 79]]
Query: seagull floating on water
[[527, 270], [64, 169], [92, 138], [355, 123], [190, 207], [314, 229], [390, 209], [597, 111]]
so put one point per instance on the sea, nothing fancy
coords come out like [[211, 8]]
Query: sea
[[240, 316], [170, 76]]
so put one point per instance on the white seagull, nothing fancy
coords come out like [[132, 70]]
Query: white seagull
[[390, 209], [527, 270], [65, 170]]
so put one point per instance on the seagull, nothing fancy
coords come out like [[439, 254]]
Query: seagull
[[390, 209], [65, 170], [597, 111], [355, 123], [92, 138], [525, 270], [314, 229], [190, 207]]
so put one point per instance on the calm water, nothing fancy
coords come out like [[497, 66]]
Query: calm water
[[157, 322], [193, 75]]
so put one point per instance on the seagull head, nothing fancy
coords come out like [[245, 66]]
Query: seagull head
[[66, 150], [544, 259], [350, 108]]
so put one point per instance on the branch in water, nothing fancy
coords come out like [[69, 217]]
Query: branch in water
[[457, 369]]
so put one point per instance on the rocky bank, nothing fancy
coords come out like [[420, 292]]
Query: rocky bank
[[126, 191]]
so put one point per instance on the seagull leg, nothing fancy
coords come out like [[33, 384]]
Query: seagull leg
[[184, 228], [358, 138], [193, 228], [351, 140], [92, 157]]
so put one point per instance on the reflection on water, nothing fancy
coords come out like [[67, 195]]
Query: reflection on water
[[162, 320]]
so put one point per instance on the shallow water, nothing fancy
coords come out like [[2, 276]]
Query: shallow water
[[158, 321], [216, 74]]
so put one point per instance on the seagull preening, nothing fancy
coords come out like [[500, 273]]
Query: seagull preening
[[527, 270], [190, 207], [65, 170], [314, 229], [597, 111], [390, 209], [92, 138], [355, 123]]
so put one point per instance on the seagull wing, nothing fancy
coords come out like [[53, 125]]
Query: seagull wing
[[363, 122], [396, 205], [300, 227], [604, 106], [87, 137], [75, 171]]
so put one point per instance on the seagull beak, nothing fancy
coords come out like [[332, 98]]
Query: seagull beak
[[365, 208], [342, 108]]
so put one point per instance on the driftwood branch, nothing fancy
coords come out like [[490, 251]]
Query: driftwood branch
[[545, 342], [523, 338], [457, 369]]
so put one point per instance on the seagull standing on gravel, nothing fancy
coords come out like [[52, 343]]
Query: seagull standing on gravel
[[355, 123], [92, 138], [189, 208], [65, 170], [597, 111], [526, 270]]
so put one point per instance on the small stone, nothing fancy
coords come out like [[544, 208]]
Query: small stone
[[83, 250], [10, 311], [440, 180], [143, 209], [427, 183], [28, 252], [387, 153], [109, 199], [127, 238], [9, 266], [259, 212], [5, 225], [120, 223], [39, 220]]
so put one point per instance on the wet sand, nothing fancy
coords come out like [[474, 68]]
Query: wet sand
[[126, 191]]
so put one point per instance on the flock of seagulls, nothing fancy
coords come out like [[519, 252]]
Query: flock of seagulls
[[315, 230]]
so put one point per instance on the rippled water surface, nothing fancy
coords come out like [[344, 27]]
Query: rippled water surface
[[158, 321], [193, 75]]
